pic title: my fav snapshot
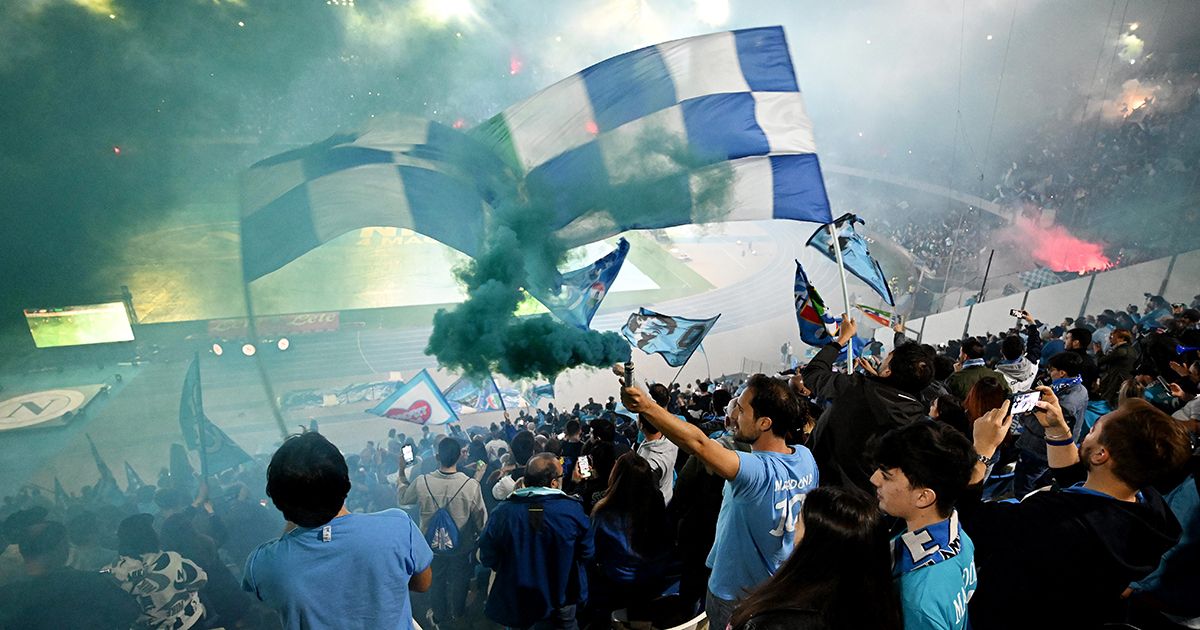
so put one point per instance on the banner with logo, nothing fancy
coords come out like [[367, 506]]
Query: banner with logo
[[36, 408], [298, 324], [418, 401]]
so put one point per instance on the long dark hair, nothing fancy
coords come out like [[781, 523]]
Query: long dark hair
[[633, 497], [840, 568]]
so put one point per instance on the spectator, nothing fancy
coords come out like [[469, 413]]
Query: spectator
[[1055, 343], [54, 596], [1115, 365], [165, 584], [523, 444], [571, 447], [838, 576], [1167, 597], [1020, 363], [923, 468], [633, 561], [86, 552], [1094, 537], [331, 568], [1032, 470], [1078, 340], [537, 542], [971, 368], [863, 407], [461, 497], [763, 488], [948, 410], [986, 394], [657, 450]]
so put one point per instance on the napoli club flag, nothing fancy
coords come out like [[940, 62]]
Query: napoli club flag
[[418, 401]]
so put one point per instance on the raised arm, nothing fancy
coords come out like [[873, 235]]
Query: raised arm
[[720, 460], [819, 374]]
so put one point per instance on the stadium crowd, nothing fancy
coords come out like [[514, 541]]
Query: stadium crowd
[[939, 487]]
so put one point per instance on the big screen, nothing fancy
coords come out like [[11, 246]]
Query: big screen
[[79, 325]]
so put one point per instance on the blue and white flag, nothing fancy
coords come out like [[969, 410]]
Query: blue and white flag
[[219, 452], [418, 401], [856, 256], [583, 289], [468, 395], [676, 338], [538, 392], [729, 100]]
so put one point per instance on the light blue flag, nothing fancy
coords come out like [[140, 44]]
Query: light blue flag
[[584, 289], [537, 393], [418, 401], [468, 395], [730, 100], [218, 452], [676, 338], [855, 254]]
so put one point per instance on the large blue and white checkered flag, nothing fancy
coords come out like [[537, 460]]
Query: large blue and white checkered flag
[[728, 103]]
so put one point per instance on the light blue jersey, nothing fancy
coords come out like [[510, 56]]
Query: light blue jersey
[[757, 524], [934, 568]]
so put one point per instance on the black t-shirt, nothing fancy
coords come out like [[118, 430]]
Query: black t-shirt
[[67, 598]]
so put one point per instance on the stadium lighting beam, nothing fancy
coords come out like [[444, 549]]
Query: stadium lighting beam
[[283, 344], [249, 349], [217, 349]]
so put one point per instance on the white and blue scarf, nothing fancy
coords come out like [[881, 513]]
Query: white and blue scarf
[[926, 547]]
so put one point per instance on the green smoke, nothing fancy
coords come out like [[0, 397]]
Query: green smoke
[[673, 186]]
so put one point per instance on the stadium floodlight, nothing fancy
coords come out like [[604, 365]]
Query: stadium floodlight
[[283, 344], [249, 349], [217, 349]]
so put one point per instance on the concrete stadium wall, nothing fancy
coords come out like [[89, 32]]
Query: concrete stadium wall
[[1114, 289]]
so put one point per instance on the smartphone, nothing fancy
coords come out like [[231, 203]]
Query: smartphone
[[1023, 402], [407, 451], [1165, 385], [584, 466], [1016, 312]]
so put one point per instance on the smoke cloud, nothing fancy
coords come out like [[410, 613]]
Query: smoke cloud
[[1055, 248], [522, 252]]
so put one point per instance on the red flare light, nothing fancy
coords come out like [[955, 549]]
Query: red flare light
[[459, 124], [116, 150], [592, 127], [514, 64], [1057, 249]]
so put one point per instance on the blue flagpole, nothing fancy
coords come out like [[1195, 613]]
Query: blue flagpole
[[837, 250]]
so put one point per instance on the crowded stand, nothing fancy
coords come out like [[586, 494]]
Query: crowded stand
[[937, 484]]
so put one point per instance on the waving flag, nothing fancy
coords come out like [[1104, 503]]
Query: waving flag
[[218, 452], [729, 101], [877, 315], [537, 393], [418, 401], [810, 311], [676, 338], [468, 395], [584, 289], [855, 254]]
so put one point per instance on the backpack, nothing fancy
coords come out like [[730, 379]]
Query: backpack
[[442, 532]]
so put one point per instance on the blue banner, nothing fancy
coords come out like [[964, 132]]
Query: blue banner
[[583, 289], [219, 452], [855, 254], [676, 338], [418, 401]]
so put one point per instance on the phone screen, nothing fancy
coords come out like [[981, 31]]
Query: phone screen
[[1162, 381], [408, 452], [1023, 402], [584, 466]]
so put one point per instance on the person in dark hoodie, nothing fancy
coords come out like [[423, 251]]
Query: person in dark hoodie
[[538, 542], [1070, 553], [863, 406]]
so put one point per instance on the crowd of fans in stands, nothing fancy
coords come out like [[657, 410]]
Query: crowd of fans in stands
[[913, 492]]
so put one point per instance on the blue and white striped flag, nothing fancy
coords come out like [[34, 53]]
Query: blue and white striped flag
[[729, 102]]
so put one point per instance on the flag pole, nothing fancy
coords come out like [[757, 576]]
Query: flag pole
[[264, 378], [837, 250], [200, 420]]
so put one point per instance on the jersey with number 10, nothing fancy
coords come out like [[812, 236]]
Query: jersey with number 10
[[757, 524]]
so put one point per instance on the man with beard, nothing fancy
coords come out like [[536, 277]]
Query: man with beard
[[1082, 544], [763, 491]]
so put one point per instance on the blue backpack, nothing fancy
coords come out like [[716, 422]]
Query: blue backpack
[[442, 532]]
